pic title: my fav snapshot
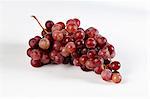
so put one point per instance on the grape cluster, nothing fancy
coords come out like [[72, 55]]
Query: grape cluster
[[70, 44]]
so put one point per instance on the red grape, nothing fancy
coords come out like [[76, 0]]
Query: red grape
[[29, 52], [91, 53], [49, 24], [70, 47], [79, 34], [36, 63], [33, 43], [115, 65], [90, 43], [44, 43], [91, 32], [71, 28], [62, 24], [77, 21], [45, 58], [57, 35], [76, 62], [106, 74], [90, 64], [36, 54]]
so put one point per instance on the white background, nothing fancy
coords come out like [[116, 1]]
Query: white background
[[124, 24]]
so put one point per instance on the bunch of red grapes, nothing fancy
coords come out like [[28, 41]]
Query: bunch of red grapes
[[70, 44]]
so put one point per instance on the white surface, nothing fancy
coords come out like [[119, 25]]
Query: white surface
[[125, 25]]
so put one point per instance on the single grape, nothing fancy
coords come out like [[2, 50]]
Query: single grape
[[29, 52], [64, 52], [58, 58], [116, 77], [49, 24], [106, 74], [76, 62], [57, 45], [91, 32], [115, 65], [91, 53], [77, 21], [36, 63], [98, 62], [71, 28], [37, 38], [33, 43], [70, 21], [36, 54], [45, 58], [56, 27], [83, 59], [90, 43], [70, 47], [67, 39], [104, 53], [62, 24], [90, 64], [52, 54], [79, 43], [111, 50], [44, 43], [79, 34], [101, 41], [57, 35], [99, 69]]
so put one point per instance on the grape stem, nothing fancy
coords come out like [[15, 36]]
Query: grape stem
[[39, 23]]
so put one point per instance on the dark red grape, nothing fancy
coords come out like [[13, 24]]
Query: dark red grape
[[77, 21], [79, 43], [91, 53], [36, 63], [49, 24], [91, 32], [37, 38], [79, 34], [99, 69], [62, 24], [101, 41], [29, 52], [33, 43], [84, 51], [90, 43], [115, 65]]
